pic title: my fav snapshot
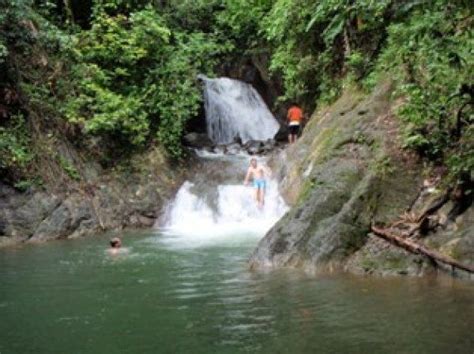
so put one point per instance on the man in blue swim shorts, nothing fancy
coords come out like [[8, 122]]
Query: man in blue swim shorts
[[257, 173]]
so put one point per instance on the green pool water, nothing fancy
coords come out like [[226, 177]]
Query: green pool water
[[172, 295]]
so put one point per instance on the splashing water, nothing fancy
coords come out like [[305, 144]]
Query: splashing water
[[235, 109], [216, 206]]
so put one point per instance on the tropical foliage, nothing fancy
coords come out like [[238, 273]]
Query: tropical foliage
[[123, 73]]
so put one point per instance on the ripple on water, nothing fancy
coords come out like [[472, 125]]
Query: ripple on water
[[205, 300]]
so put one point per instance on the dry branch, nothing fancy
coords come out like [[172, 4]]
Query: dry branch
[[437, 204], [416, 248]]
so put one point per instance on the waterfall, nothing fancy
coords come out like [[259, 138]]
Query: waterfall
[[235, 109], [214, 205]]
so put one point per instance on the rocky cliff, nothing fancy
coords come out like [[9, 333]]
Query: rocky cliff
[[346, 173], [127, 196]]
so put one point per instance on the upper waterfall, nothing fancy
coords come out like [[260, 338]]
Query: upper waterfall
[[234, 109]]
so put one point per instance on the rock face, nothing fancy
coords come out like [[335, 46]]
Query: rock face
[[251, 147], [452, 238], [345, 173], [197, 140], [123, 198]]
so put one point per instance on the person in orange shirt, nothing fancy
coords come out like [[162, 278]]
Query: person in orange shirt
[[295, 118]]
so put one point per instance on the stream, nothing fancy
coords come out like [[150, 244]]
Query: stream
[[185, 285], [167, 296]]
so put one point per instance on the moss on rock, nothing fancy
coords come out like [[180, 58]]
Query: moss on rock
[[347, 177]]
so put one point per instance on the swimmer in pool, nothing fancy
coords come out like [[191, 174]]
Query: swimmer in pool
[[258, 174]]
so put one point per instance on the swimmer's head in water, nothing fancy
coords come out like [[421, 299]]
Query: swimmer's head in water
[[253, 162], [115, 242]]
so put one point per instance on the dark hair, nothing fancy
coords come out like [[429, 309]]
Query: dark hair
[[114, 242]]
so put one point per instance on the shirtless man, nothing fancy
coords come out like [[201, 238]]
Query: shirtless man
[[257, 173]]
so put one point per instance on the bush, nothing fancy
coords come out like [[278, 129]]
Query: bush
[[14, 145], [128, 76], [430, 56], [136, 78]]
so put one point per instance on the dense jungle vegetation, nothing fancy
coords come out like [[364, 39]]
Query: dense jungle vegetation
[[116, 77]]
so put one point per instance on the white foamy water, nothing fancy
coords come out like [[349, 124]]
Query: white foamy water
[[235, 109], [221, 213]]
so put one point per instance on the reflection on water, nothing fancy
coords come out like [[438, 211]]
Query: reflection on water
[[73, 297]]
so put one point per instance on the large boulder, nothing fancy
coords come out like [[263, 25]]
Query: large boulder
[[347, 173], [22, 213], [282, 134], [340, 177], [254, 147], [233, 148], [269, 146], [131, 196]]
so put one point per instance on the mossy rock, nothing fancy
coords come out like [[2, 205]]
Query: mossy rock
[[341, 187]]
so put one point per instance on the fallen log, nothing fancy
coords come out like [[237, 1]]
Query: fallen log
[[416, 248]]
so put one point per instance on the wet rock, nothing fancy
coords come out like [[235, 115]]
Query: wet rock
[[73, 217], [220, 149], [268, 146], [83, 218], [378, 257], [119, 199], [141, 221], [3, 225], [339, 185], [336, 190], [197, 140], [320, 230], [254, 147], [5, 192], [238, 140], [233, 148], [54, 226], [21, 214], [209, 149], [282, 134]]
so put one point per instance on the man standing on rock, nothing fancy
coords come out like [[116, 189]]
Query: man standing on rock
[[258, 174], [295, 118]]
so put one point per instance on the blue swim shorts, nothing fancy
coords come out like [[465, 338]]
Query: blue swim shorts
[[259, 183]]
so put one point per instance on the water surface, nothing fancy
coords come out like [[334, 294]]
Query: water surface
[[170, 296]]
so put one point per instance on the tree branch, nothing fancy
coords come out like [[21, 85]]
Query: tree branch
[[416, 248]]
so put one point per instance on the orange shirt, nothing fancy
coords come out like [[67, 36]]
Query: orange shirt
[[295, 114]]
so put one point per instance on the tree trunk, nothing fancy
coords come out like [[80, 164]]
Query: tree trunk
[[347, 43], [68, 10]]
